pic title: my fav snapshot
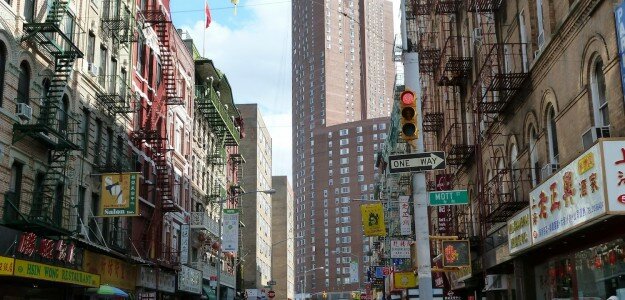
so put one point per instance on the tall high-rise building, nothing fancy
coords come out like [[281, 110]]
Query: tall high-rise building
[[283, 236], [256, 212], [343, 75]]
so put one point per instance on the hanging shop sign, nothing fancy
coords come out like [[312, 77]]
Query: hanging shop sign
[[405, 219], [230, 230], [184, 244], [113, 271], [190, 280], [444, 182], [404, 280], [119, 195], [587, 188], [443, 214], [33, 270], [400, 249], [147, 279], [6, 265], [456, 254], [32, 247], [373, 219], [519, 232]]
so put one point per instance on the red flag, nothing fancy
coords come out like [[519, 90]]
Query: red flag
[[208, 14]]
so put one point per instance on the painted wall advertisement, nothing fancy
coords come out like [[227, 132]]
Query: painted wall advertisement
[[373, 219], [405, 219], [112, 271], [190, 280], [230, 230], [119, 195], [400, 249]]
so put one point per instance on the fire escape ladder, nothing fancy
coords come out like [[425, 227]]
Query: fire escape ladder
[[443, 7], [455, 67], [118, 22], [483, 5]]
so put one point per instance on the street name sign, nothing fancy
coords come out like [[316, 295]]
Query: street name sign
[[417, 162], [454, 197]]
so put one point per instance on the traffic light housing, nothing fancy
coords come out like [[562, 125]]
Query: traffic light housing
[[408, 115]]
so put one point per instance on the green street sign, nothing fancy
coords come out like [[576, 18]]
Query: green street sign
[[455, 197]]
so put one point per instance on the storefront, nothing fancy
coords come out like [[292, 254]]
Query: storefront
[[113, 272], [570, 242], [38, 267]]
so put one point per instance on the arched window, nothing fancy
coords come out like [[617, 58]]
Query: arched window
[[599, 99], [23, 83], [3, 63], [515, 173], [533, 156], [552, 136], [46, 87]]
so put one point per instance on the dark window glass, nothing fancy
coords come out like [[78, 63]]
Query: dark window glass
[[23, 83]]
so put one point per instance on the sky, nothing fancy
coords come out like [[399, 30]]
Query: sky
[[253, 49]]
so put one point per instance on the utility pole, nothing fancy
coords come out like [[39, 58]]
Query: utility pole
[[419, 192]]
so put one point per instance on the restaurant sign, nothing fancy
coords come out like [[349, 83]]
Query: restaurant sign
[[519, 232], [582, 191], [31, 246], [400, 249], [28, 269]]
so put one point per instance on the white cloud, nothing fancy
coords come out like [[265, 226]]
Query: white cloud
[[255, 55]]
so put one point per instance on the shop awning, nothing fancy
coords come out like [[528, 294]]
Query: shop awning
[[107, 290], [209, 292]]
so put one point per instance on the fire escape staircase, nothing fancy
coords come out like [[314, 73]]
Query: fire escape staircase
[[54, 128]]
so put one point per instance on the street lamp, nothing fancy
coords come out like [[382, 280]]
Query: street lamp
[[221, 213], [306, 272]]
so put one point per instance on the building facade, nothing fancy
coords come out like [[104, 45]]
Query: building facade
[[256, 207], [343, 73], [524, 141], [283, 236], [99, 97]]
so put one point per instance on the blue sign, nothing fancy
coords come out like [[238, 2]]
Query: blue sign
[[619, 14]]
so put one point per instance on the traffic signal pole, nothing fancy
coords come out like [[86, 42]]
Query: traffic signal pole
[[419, 192]]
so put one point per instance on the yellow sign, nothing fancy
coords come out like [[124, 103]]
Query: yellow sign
[[112, 271], [404, 280], [585, 163], [6, 265], [35, 270], [120, 195], [373, 219]]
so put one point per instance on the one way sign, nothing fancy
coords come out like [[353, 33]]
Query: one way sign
[[426, 161]]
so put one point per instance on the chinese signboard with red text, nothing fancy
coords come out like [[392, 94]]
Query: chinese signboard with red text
[[405, 220]]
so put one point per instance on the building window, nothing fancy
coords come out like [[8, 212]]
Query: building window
[[3, 62], [62, 114], [533, 156], [29, 10], [103, 59], [23, 83], [98, 141], [15, 188], [539, 20], [599, 99], [552, 136], [85, 131]]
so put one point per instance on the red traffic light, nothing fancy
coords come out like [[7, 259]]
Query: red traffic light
[[407, 97]]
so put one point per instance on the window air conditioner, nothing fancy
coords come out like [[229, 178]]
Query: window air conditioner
[[93, 69], [495, 282], [591, 135], [24, 111], [547, 170]]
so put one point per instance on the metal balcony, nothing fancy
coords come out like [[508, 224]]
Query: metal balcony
[[211, 107], [483, 5], [201, 220], [115, 94]]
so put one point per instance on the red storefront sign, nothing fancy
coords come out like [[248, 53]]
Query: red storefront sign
[[59, 250]]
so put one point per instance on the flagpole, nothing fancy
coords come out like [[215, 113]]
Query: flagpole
[[203, 41]]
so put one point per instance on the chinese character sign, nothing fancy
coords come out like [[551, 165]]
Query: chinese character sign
[[400, 249], [614, 159], [405, 219], [572, 196], [230, 237], [119, 195], [373, 219], [519, 232]]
